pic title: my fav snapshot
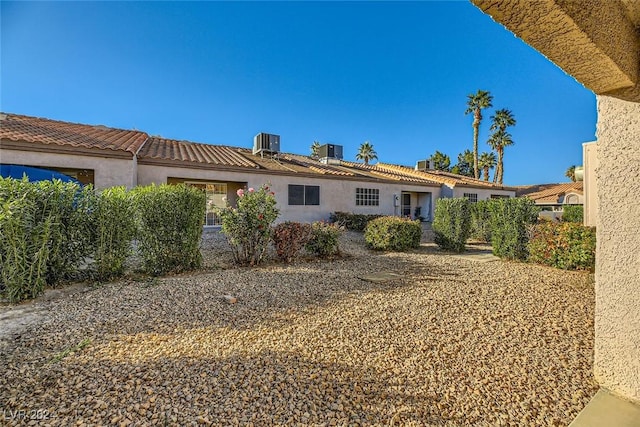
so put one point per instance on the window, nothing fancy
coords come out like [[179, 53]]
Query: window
[[216, 199], [473, 197], [304, 195], [499, 196], [367, 197]]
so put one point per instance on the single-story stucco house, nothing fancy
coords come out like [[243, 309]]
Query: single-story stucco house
[[552, 198], [307, 189]]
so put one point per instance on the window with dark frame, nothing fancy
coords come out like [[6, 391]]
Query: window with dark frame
[[302, 195], [367, 197], [472, 197]]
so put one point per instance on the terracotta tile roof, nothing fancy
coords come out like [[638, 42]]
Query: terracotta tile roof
[[441, 177], [551, 193], [380, 171], [36, 130], [157, 149], [315, 165], [186, 151]]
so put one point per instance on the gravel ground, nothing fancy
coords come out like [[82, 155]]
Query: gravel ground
[[449, 342]]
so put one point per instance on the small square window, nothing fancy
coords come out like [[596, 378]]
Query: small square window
[[367, 197], [472, 197]]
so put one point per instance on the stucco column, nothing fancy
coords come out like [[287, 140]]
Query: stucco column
[[617, 321]]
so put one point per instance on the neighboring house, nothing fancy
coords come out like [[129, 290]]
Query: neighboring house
[[306, 189], [553, 197]]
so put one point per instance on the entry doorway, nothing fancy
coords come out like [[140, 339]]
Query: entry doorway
[[405, 204]]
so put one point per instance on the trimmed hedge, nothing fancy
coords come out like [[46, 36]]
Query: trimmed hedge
[[393, 233], [115, 229], [509, 221], [352, 221], [573, 213], [170, 220], [52, 232], [565, 245], [481, 221], [324, 239], [452, 223], [289, 238]]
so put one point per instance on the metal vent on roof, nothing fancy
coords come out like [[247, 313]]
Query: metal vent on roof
[[330, 153], [424, 165], [266, 143]]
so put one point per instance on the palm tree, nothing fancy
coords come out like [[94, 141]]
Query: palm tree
[[366, 152], [571, 173], [487, 161], [315, 149], [441, 161], [475, 104], [498, 140]]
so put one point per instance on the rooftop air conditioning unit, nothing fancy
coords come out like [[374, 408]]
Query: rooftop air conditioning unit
[[424, 165], [266, 143], [330, 151]]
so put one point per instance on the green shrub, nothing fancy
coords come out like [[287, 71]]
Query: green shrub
[[509, 221], [481, 221], [393, 233], [565, 245], [170, 220], [69, 208], [452, 223], [289, 238], [24, 248], [324, 239], [115, 229], [352, 221], [573, 213], [248, 226]]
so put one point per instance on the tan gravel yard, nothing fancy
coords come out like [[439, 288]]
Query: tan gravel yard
[[449, 342]]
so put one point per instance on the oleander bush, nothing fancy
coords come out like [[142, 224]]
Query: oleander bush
[[248, 227], [510, 219], [452, 223], [481, 221], [573, 213], [352, 221], [24, 248], [45, 233], [115, 228], [169, 227], [564, 245], [391, 233], [324, 239], [289, 238]]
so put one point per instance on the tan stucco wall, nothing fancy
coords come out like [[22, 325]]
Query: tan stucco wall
[[590, 163], [109, 172], [617, 320], [593, 40], [335, 194]]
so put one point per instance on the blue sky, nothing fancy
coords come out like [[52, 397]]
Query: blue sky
[[395, 74]]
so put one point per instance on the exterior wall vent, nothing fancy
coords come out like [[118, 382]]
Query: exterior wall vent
[[330, 151], [266, 143], [424, 165]]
